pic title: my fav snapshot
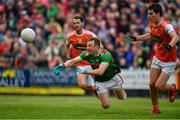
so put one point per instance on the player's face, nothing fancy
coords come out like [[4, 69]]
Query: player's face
[[77, 24], [92, 48], [152, 16]]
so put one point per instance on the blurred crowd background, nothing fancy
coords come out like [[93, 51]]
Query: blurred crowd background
[[52, 19]]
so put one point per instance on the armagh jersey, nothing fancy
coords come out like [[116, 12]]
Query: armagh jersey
[[79, 43], [95, 61], [160, 32]]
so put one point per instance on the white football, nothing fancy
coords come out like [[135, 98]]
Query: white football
[[28, 35]]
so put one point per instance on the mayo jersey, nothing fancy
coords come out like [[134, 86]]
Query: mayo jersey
[[160, 32], [79, 43], [95, 61]]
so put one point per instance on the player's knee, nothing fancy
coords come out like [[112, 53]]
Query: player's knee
[[105, 106], [83, 85], [152, 84], [160, 86]]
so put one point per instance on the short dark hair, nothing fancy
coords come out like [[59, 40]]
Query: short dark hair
[[96, 41], [156, 8], [78, 17]]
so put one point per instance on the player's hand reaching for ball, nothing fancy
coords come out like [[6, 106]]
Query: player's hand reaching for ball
[[58, 68]]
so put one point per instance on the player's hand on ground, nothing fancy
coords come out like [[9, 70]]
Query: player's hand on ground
[[128, 37], [168, 47], [58, 68]]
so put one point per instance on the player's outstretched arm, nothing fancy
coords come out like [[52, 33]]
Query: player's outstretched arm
[[67, 64], [67, 49], [128, 37], [100, 71], [144, 37], [72, 62]]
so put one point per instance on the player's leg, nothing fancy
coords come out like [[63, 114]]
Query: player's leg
[[83, 82], [161, 84], [116, 85], [81, 78], [104, 99], [154, 75], [86, 82], [103, 94], [90, 83], [155, 72], [120, 93]]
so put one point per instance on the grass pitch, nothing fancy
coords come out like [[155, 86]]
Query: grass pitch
[[82, 107]]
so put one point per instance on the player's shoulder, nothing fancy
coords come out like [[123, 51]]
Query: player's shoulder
[[84, 54], [86, 31], [105, 52], [152, 25], [165, 22], [106, 56], [70, 33]]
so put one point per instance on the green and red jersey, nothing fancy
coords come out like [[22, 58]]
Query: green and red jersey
[[95, 61]]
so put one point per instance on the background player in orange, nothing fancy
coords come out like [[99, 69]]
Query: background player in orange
[[75, 44], [164, 61]]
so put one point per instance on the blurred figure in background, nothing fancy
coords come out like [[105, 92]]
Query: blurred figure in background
[[109, 19]]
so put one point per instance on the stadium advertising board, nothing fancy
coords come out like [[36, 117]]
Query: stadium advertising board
[[139, 79], [38, 81], [44, 81]]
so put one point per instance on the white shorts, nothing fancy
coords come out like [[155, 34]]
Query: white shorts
[[167, 67], [114, 83], [90, 79]]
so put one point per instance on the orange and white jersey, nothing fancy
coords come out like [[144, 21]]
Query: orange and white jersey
[[161, 31], [79, 43]]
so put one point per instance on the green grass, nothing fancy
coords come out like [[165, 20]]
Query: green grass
[[82, 107]]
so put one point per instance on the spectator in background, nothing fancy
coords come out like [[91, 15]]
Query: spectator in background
[[5, 50], [19, 54], [106, 18], [52, 53]]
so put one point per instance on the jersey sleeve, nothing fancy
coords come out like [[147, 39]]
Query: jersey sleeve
[[169, 28], [107, 57], [94, 35], [67, 42], [83, 55]]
